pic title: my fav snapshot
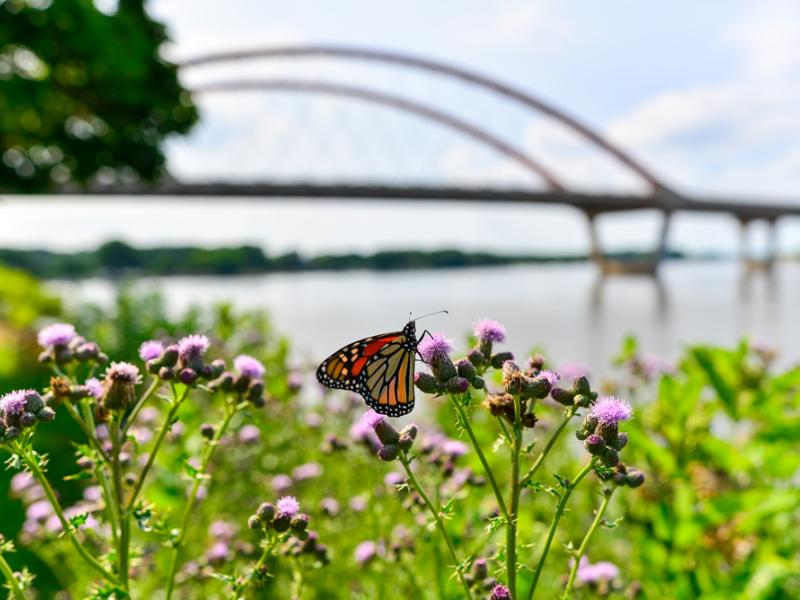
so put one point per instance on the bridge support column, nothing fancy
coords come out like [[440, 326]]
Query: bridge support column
[[753, 263], [645, 266]]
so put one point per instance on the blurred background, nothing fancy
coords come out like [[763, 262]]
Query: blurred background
[[344, 166]]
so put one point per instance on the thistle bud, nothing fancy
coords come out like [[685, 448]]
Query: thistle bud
[[46, 414], [621, 441], [187, 376], [119, 387], [217, 367], [254, 523], [170, 356], [33, 402], [528, 420], [609, 457], [255, 390], [501, 357], [581, 386], [154, 366], [466, 369], [609, 431], [385, 432], [299, 523], [86, 351], [537, 387], [265, 512], [27, 419], [562, 396], [426, 382], [457, 385], [634, 478], [166, 373], [281, 522], [207, 430], [443, 368], [478, 383], [389, 452], [594, 444], [476, 357], [224, 382]]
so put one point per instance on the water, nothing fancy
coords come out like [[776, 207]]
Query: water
[[563, 309]]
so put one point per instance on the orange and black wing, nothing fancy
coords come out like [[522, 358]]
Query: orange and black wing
[[380, 368]]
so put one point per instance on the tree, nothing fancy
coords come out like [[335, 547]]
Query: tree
[[84, 96]]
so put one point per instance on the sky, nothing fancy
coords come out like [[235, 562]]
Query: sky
[[706, 94]]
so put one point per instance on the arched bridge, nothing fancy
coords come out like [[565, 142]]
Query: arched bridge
[[658, 195]]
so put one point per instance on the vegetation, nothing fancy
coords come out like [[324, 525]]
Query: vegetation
[[73, 106], [118, 257], [480, 490]]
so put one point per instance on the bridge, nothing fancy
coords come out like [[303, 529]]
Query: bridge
[[658, 195]]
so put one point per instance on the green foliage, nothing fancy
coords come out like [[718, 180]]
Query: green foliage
[[84, 94]]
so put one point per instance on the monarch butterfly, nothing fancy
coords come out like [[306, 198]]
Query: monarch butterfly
[[380, 368]]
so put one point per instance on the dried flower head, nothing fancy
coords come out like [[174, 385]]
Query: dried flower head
[[57, 334], [249, 366]]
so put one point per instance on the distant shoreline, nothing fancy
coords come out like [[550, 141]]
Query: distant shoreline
[[114, 259]]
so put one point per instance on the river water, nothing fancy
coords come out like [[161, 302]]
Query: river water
[[565, 310]]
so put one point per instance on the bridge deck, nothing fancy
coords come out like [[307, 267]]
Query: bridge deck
[[589, 202]]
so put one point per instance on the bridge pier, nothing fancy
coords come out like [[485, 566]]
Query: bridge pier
[[750, 262], [644, 266]]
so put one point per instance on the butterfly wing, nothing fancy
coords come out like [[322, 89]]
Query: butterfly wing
[[380, 368]]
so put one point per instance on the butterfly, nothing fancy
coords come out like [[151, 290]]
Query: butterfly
[[380, 368]]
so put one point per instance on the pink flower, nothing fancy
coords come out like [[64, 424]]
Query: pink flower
[[611, 410]]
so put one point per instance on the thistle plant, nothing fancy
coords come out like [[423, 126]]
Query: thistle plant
[[108, 410]]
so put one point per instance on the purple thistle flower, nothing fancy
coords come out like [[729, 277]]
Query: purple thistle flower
[[192, 347], [57, 334], [249, 366], [549, 376], [393, 478], [281, 483], [39, 511], [95, 387], [124, 372], [371, 419], [570, 371], [358, 503], [330, 506], [222, 530], [454, 448], [366, 552], [593, 573], [13, 403], [435, 347], [488, 331], [151, 349], [288, 505], [500, 592], [249, 434], [218, 553], [307, 471], [611, 410]]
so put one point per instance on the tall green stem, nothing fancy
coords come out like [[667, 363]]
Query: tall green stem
[[131, 417], [549, 446], [37, 472], [585, 542], [511, 528], [489, 474], [562, 504], [13, 582], [230, 411], [437, 517], [124, 522]]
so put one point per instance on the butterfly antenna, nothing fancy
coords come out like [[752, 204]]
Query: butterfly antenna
[[438, 312]]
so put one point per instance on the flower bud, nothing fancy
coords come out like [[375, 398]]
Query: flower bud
[[457, 385], [562, 396], [224, 382], [385, 432], [538, 387], [621, 441], [501, 357], [281, 522], [443, 368], [205, 372], [584, 401], [241, 383], [169, 358], [254, 523], [594, 444], [476, 357], [478, 383], [299, 523], [609, 431], [609, 457], [33, 402], [581, 386], [259, 402], [405, 442], [154, 366], [265, 512], [63, 355], [166, 373], [426, 382], [634, 478], [217, 367], [389, 452], [12, 433], [187, 376], [528, 420], [466, 369], [27, 419], [480, 570], [207, 430], [46, 414], [256, 389]]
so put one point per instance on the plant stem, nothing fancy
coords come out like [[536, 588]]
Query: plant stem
[[585, 542], [511, 527], [549, 446], [437, 518], [131, 416], [123, 544], [230, 411], [562, 504], [489, 474], [88, 431], [37, 472], [159, 440], [99, 472], [13, 583]]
